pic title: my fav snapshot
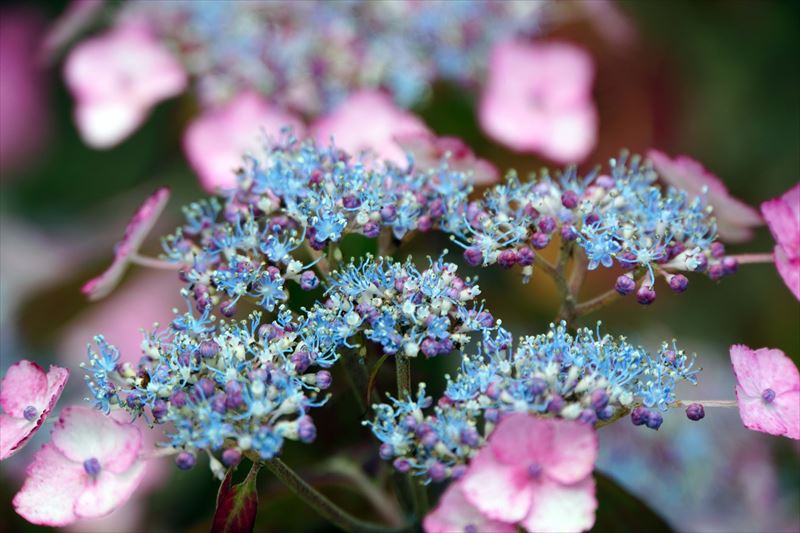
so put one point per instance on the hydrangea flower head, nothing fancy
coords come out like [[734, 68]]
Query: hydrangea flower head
[[767, 390], [783, 218], [536, 472], [91, 466], [215, 141], [455, 513], [27, 395], [116, 78], [368, 121], [735, 219], [539, 99], [135, 233]]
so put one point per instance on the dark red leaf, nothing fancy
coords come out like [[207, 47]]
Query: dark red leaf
[[237, 505]]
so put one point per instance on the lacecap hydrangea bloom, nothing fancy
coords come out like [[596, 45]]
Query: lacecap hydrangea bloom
[[585, 377]]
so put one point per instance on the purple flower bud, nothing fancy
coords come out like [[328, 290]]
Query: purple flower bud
[[402, 465], [530, 211], [654, 420], [599, 399], [645, 295], [605, 413], [569, 233], [540, 240], [350, 202], [204, 388], [430, 347], [717, 250], [371, 229], [178, 399], [159, 409], [587, 416], [730, 265], [437, 471], [702, 263], [458, 471], [625, 285], [507, 258], [300, 360], [317, 245], [219, 403], [231, 457], [430, 440], [547, 225], [639, 415], [525, 256], [590, 219], [308, 280], [768, 395], [485, 319], [424, 223], [388, 213], [30, 413], [386, 451], [604, 181], [491, 415], [208, 348], [676, 249], [569, 199], [678, 282], [716, 271], [537, 386], [473, 256], [324, 379], [470, 437], [556, 404], [185, 460], [92, 466], [228, 308], [306, 430], [695, 412]]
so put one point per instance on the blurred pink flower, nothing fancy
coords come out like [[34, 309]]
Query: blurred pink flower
[[125, 250], [783, 218], [116, 78], [428, 151], [735, 219], [368, 121], [455, 513], [537, 472], [767, 390], [24, 109], [539, 99], [91, 466], [215, 141], [27, 395]]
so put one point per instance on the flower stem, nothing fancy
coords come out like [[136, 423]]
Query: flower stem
[[152, 262], [705, 403], [598, 302], [745, 259], [320, 503]]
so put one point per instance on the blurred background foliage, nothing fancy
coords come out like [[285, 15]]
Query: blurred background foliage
[[716, 80]]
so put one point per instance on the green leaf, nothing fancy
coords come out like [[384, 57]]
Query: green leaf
[[619, 511], [237, 505]]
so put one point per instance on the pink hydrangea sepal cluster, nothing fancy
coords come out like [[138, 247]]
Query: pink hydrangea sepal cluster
[[783, 218], [27, 395]]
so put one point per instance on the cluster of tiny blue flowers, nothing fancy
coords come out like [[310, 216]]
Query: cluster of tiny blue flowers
[[308, 56], [236, 386], [404, 310], [623, 217], [298, 195], [585, 377]]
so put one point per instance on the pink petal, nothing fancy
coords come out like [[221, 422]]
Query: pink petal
[[117, 77], [500, 491], [455, 513], [764, 369], [521, 439], [734, 218], [216, 141], [136, 232], [108, 491], [538, 98], [14, 433], [562, 508], [368, 121], [573, 451], [83, 433], [51, 489], [783, 218], [25, 384], [789, 269]]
